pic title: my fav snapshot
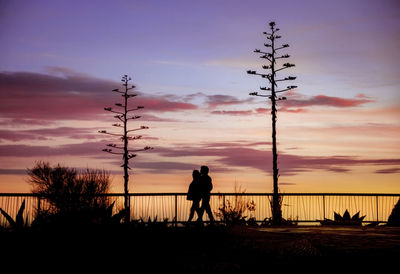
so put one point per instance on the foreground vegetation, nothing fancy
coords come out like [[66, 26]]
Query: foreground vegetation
[[97, 239], [80, 230], [158, 247]]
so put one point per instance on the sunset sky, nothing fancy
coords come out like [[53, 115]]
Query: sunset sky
[[339, 131]]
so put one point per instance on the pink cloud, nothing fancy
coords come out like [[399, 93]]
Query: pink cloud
[[15, 136], [234, 155], [323, 100], [165, 167], [217, 100], [280, 109], [159, 104], [47, 133], [229, 156], [36, 96], [294, 104], [213, 101], [292, 110], [234, 144], [24, 122], [233, 112], [388, 170], [82, 149], [363, 96]]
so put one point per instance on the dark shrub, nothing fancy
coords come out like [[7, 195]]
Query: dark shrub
[[72, 195]]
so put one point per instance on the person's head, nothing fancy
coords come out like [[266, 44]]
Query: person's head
[[204, 170], [195, 174]]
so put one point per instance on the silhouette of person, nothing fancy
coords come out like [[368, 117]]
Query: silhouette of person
[[194, 194], [206, 187]]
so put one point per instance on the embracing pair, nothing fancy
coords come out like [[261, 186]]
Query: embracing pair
[[199, 190]]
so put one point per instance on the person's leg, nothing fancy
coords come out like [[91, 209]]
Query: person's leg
[[196, 206], [200, 212], [193, 209], [209, 211], [191, 214]]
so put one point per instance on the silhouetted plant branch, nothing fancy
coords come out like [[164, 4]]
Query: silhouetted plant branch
[[68, 190], [18, 223], [271, 55], [75, 197], [232, 212], [124, 115]]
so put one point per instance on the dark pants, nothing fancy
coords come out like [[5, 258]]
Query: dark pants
[[205, 206], [195, 208]]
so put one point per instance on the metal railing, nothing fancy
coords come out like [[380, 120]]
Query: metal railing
[[300, 207]]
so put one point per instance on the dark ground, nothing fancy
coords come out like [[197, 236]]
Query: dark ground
[[210, 249]]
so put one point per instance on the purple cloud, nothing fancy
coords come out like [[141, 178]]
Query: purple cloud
[[236, 155], [233, 112], [388, 170], [229, 155], [299, 103], [82, 149], [323, 100], [223, 100], [36, 96], [47, 133]]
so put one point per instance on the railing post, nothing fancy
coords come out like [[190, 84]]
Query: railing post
[[38, 206], [176, 209], [323, 204], [377, 209]]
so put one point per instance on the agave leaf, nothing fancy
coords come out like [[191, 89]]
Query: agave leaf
[[118, 217], [19, 220], [362, 218], [346, 216], [8, 217], [337, 217], [356, 216], [109, 209]]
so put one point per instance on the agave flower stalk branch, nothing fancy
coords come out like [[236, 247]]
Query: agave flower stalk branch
[[111, 110], [272, 59], [135, 129], [110, 133], [122, 116]]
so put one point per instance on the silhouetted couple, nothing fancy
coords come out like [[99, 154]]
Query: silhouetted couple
[[199, 190]]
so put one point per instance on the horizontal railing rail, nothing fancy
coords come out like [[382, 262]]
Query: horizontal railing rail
[[221, 193], [298, 207]]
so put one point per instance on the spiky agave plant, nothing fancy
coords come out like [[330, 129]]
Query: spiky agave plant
[[344, 219], [18, 223]]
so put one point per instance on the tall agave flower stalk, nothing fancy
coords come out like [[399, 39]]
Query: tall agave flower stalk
[[124, 114], [272, 56]]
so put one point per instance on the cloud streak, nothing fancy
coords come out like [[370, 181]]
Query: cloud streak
[[234, 155], [328, 101], [47, 133], [227, 155], [224, 100], [81, 149], [68, 95], [300, 103], [388, 170]]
